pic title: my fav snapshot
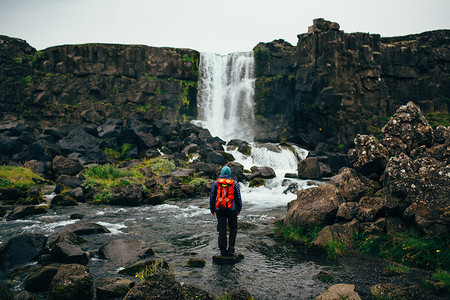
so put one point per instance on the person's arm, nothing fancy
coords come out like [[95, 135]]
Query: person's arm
[[237, 196], [212, 198]]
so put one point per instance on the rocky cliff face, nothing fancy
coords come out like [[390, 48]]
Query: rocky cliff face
[[333, 85], [88, 83]]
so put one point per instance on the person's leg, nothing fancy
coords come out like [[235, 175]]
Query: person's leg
[[222, 229], [232, 224]]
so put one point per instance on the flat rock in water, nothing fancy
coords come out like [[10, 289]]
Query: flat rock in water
[[227, 260]]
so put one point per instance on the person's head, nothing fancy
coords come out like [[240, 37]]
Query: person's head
[[225, 171]]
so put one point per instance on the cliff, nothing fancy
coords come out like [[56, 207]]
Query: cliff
[[333, 85], [88, 83]]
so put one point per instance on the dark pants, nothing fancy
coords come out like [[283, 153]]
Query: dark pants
[[224, 218]]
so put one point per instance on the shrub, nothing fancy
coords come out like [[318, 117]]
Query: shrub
[[158, 165], [199, 182], [335, 249], [298, 234], [442, 276], [17, 178]]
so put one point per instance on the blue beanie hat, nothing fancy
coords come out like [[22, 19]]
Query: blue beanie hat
[[225, 171]]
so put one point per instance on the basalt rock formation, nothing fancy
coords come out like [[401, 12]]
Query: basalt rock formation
[[334, 85], [89, 83]]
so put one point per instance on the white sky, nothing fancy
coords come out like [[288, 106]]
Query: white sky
[[208, 25]]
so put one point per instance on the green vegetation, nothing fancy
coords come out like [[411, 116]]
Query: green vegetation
[[106, 177], [198, 182], [187, 58], [115, 90], [297, 234], [157, 165], [436, 119], [399, 268], [119, 155], [26, 80], [17, 178], [443, 277], [325, 277], [335, 249], [156, 267], [17, 60], [409, 248]]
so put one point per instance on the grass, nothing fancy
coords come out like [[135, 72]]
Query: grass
[[335, 249], [106, 177], [17, 178], [409, 248], [154, 268], [436, 119], [297, 234], [399, 269], [119, 155], [443, 277], [157, 165]]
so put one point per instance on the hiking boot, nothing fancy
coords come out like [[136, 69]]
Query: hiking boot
[[224, 253]]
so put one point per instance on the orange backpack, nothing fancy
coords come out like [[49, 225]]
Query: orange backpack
[[225, 193]]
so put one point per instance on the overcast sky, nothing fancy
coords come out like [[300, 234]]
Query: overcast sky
[[208, 25]]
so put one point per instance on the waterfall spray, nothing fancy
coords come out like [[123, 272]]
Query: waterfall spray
[[225, 97]]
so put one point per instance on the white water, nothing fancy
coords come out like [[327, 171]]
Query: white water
[[225, 96]]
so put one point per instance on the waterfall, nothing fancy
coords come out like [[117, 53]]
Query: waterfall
[[225, 96]]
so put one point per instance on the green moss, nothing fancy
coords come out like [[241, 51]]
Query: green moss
[[297, 234], [443, 277], [17, 60], [436, 119], [17, 178], [157, 165], [198, 182], [115, 90], [335, 249], [26, 80]]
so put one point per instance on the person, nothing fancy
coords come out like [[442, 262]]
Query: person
[[225, 202]]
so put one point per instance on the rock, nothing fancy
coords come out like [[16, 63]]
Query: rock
[[128, 195], [38, 167], [87, 146], [207, 169], [40, 280], [226, 260], [21, 212], [5, 292], [63, 200], [309, 168], [64, 166], [196, 263], [77, 194], [347, 211], [325, 170], [183, 173], [340, 291], [369, 208], [441, 134], [256, 182], [369, 155], [25, 295], [64, 252], [65, 182], [215, 157], [352, 186], [86, 228], [315, 206], [410, 126], [22, 249], [66, 236], [193, 292], [291, 175], [337, 232], [142, 265], [71, 282], [292, 188], [240, 294], [237, 170], [123, 251], [263, 172], [394, 291], [112, 288]]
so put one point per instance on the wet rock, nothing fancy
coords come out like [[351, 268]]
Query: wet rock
[[340, 291], [86, 228], [21, 212], [441, 134], [66, 236], [263, 172], [325, 170], [309, 168], [64, 252], [196, 263], [128, 195], [38, 167], [337, 232], [64, 166], [63, 200], [25, 295], [205, 168], [77, 194], [215, 157], [78, 141], [22, 249], [123, 251], [40, 280], [112, 288], [292, 188], [369, 155], [72, 282], [142, 265], [394, 291], [237, 171], [65, 182], [227, 260], [256, 182], [315, 206], [369, 208], [240, 294]]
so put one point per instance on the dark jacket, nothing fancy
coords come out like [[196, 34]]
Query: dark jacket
[[237, 202]]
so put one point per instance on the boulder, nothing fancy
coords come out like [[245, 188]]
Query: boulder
[[216, 157], [25, 295], [315, 206], [71, 282], [263, 172], [410, 126], [369, 155], [65, 182], [340, 291], [142, 265], [21, 212], [64, 252], [63, 200], [441, 134], [395, 291], [256, 182], [123, 251], [352, 186], [86, 228], [22, 249], [38, 167], [347, 211], [205, 168], [5, 292], [237, 170], [65, 166], [240, 294], [128, 195], [196, 263], [112, 288], [85, 146], [40, 280], [369, 208], [227, 260], [292, 188], [309, 168], [77, 194], [337, 232]]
